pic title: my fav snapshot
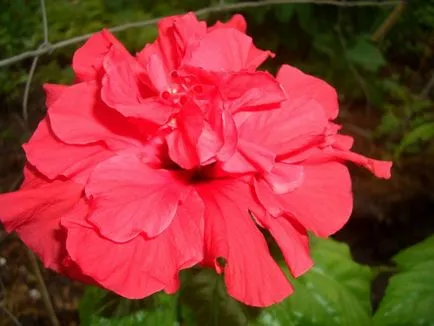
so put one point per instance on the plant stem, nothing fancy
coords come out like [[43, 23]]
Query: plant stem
[[45, 296]]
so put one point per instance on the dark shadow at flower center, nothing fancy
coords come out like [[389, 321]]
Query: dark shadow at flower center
[[201, 174], [197, 175]]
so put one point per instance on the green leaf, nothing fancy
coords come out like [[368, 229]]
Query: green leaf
[[389, 123], [366, 55], [424, 132], [204, 301], [409, 298], [92, 297], [419, 253], [325, 43], [394, 88], [306, 18], [284, 12], [336, 291], [99, 307], [138, 318]]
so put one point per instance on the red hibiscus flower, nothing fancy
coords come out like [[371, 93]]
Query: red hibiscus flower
[[178, 156]]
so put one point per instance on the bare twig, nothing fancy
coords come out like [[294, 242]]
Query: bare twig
[[9, 314], [2, 286], [393, 17], [5, 310], [44, 292], [427, 89], [44, 45], [44, 21], [218, 8], [27, 88]]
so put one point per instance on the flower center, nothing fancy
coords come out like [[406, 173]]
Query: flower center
[[199, 174], [180, 89]]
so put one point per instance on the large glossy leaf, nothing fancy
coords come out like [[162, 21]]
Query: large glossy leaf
[[204, 301], [101, 308], [409, 298], [336, 291], [138, 318]]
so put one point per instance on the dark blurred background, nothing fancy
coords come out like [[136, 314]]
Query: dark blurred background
[[380, 58]]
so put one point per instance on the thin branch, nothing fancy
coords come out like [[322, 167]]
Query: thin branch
[[9, 314], [391, 20], [218, 8], [44, 21], [44, 291], [46, 44], [427, 89], [6, 311], [27, 88]]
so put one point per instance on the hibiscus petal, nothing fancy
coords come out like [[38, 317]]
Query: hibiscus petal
[[293, 242], [300, 85], [174, 33], [53, 92], [222, 50], [323, 203], [343, 142], [182, 142], [237, 21], [258, 156], [256, 57], [229, 136], [187, 27], [284, 177], [121, 271], [130, 198], [87, 61], [44, 149], [140, 267], [237, 163], [156, 73], [79, 117], [252, 91], [381, 169], [296, 125], [209, 144], [122, 90], [32, 177], [34, 213], [181, 151], [248, 158], [224, 129], [268, 198], [251, 274], [337, 147]]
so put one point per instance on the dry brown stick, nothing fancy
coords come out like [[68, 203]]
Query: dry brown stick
[[10, 315], [44, 291], [393, 17]]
